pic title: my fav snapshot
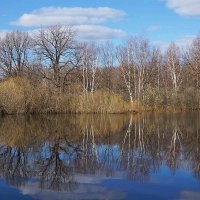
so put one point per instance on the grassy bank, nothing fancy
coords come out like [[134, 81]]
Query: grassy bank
[[18, 95]]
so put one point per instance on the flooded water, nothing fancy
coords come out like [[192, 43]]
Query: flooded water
[[94, 157]]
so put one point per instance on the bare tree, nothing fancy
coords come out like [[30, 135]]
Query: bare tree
[[108, 60], [193, 59], [90, 63], [127, 70], [174, 66], [156, 66], [134, 58], [59, 53], [14, 51]]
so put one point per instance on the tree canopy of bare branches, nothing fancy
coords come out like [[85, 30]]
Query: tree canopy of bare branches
[[14, 52], [58, 52]]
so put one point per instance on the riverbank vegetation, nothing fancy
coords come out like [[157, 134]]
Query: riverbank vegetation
[[52, 72]]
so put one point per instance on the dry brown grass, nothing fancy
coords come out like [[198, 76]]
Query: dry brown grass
[[15, 95], [18, 95], [101, 102]]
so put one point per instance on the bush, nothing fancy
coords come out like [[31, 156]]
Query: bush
[[18, 95], [101, 102], [15, 95]]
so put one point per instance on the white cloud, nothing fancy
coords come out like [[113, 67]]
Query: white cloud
[[88, 187], [185, 7], [188, 195], [88, 22], [3, 33], [86, 32], [182, 42], [185, 40], [68, 16], [93, 32]]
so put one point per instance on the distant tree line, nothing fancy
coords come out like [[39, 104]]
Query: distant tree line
[[95, 77]]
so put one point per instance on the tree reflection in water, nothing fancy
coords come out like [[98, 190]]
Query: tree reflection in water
[[56, 150], [14, 165]]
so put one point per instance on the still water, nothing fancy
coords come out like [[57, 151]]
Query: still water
[[97, 157]]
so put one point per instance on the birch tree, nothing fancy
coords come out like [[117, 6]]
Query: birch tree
[[90, 63], [127, 70], [192, 56], [174, 66], [134, 58], [108, 60]]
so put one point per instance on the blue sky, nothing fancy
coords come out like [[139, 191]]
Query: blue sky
[[161, 21]]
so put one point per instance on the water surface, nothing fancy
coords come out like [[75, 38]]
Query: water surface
[[96, 157]]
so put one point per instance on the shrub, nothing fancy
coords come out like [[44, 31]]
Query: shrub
[[101, 102], [15, 95]]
